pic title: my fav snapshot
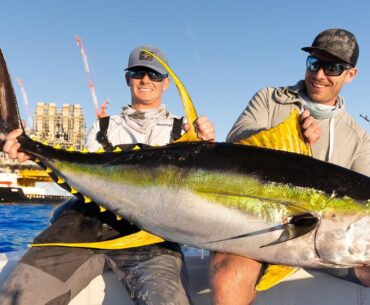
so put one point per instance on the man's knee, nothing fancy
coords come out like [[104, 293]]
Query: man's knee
[[233, 279], [158, 280], [229, 265]]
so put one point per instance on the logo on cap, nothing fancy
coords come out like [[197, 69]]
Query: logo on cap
[[145, 56]]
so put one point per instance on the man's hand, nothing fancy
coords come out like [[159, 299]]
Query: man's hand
[[310, 129], [11, 146], [204, 129]]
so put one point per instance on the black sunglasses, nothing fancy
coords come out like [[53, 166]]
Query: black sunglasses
[[153, 75], [330, 69]]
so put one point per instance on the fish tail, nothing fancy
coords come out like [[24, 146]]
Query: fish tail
[[9, 112]]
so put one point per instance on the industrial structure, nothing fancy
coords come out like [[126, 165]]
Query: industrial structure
[[64, 127]]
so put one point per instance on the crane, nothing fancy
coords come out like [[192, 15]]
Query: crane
[[25, 101], [85, 61]]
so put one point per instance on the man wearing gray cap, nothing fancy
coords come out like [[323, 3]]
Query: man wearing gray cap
[[153, 274], [333, 134]]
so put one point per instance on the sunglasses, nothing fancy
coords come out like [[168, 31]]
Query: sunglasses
[[330, 69], [153, 75]]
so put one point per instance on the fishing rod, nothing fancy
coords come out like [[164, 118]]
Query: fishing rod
[[365, 117]]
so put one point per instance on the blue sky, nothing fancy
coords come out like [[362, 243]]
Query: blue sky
[[223, 51]]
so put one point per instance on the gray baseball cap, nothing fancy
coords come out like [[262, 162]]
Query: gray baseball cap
[[337, 42], [139, 58]]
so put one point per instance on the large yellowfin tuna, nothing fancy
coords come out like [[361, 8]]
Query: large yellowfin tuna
[[270, 205]]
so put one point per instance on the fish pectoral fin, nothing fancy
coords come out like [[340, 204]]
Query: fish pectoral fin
[[273, 275], [137, 239], [296, 227], [287, 136]]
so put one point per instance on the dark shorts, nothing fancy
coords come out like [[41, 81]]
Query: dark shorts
[[154, 274], [54, 275]]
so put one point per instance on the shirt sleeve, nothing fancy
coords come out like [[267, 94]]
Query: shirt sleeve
[[361, 161], [254, 118]]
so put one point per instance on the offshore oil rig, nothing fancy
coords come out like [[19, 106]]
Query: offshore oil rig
[[63, 127]]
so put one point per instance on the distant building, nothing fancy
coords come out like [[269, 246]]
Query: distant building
[[65, 127]]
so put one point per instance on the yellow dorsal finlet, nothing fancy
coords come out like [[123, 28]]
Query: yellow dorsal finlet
[[189, 109], [100, 150], [287, 136], [273, 275], [117, 149], [138, 239]]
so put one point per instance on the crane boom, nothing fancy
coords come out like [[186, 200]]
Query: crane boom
[[88, 74], [25, 101]]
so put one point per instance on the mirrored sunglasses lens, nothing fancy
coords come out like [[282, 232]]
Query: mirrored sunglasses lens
[[333, 69], [137, 74], [313, 64], [155, 76]]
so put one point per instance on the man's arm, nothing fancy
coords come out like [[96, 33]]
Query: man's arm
[[257, 117], [361, 163], [254, 118]]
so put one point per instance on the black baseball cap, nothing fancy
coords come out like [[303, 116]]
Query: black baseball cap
[[337, 42]]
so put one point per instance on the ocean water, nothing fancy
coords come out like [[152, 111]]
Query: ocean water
[[20, 223]]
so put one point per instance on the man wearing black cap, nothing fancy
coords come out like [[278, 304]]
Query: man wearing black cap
[[333, 134], [153, 274]]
